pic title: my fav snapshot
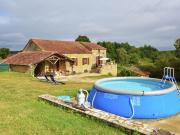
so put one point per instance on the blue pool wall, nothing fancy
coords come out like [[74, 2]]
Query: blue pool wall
[[145, 107]]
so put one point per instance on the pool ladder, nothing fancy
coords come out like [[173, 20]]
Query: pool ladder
[[168, 75]]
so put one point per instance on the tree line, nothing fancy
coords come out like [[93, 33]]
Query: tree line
[[124, 53], [147, 58]]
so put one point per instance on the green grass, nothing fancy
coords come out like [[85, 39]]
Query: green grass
[[96, 77], [21, 113]]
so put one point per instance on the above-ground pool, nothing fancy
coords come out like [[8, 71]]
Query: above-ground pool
[[135, 97]]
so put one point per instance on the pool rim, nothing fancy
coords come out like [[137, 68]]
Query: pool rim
[[134, 92]]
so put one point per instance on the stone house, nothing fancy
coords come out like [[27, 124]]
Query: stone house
[[60, 57]]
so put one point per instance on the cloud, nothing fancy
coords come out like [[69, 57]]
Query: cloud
[[15, 41], [4, 20], [166, 28], [139, 22], [91, 28]]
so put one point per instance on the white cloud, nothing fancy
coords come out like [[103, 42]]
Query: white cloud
[[4, 20], [91, 28], [166, 28], [139, 22]]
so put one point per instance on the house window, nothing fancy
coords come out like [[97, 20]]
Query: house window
[[75, 61], [85, 61]]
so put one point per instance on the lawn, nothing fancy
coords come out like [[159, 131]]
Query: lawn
[[97, 77], [21, 113]]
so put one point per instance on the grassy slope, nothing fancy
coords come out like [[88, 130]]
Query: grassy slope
[[22, 113]]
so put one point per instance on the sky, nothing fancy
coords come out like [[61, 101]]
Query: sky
[[139, 22]]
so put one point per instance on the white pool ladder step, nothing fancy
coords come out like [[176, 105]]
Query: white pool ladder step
[[168, 75]]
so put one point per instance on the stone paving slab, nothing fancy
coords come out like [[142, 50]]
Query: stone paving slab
[[127, 124]]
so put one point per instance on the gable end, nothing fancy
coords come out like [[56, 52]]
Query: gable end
[[31, 46]]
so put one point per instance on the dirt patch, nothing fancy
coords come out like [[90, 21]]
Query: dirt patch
[[171, 124]]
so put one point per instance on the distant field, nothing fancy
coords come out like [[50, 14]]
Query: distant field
[[21, 113]]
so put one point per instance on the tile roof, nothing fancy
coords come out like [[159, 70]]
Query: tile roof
[[91, 46], [66, 47], [63, 47], [28, 57]]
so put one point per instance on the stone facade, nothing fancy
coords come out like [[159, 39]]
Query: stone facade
[[80, 67], [20, 68]]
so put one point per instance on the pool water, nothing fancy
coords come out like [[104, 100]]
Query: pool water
[[135, 84]]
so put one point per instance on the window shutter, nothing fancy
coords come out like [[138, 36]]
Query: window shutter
[[82, 61], [75, 61], [88, 61]]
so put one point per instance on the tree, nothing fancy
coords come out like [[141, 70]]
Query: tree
[[123, 57], [111, 49], [177, 46], [148, 51], [4, 52], [134, 58], [82, 39], [175, 63]]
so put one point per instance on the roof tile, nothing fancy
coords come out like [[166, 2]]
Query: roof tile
[[63, 47], [92, 46], [26, 58]]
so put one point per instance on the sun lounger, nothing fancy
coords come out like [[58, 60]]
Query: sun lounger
[[47, 79], [50, 79], [41, 78], [54, 80]]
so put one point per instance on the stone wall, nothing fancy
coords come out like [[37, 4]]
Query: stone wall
[[20, 68], [109, 69], [96, 53]]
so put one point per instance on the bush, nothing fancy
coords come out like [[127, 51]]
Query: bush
[[156, 70], [123, 71], [85, 71], [4, 52], [176, 65], [110, 74]]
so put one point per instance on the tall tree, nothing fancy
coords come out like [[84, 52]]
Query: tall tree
[[4, 52], [123, 57], [148, 51], [177, 46], [82, 39]]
